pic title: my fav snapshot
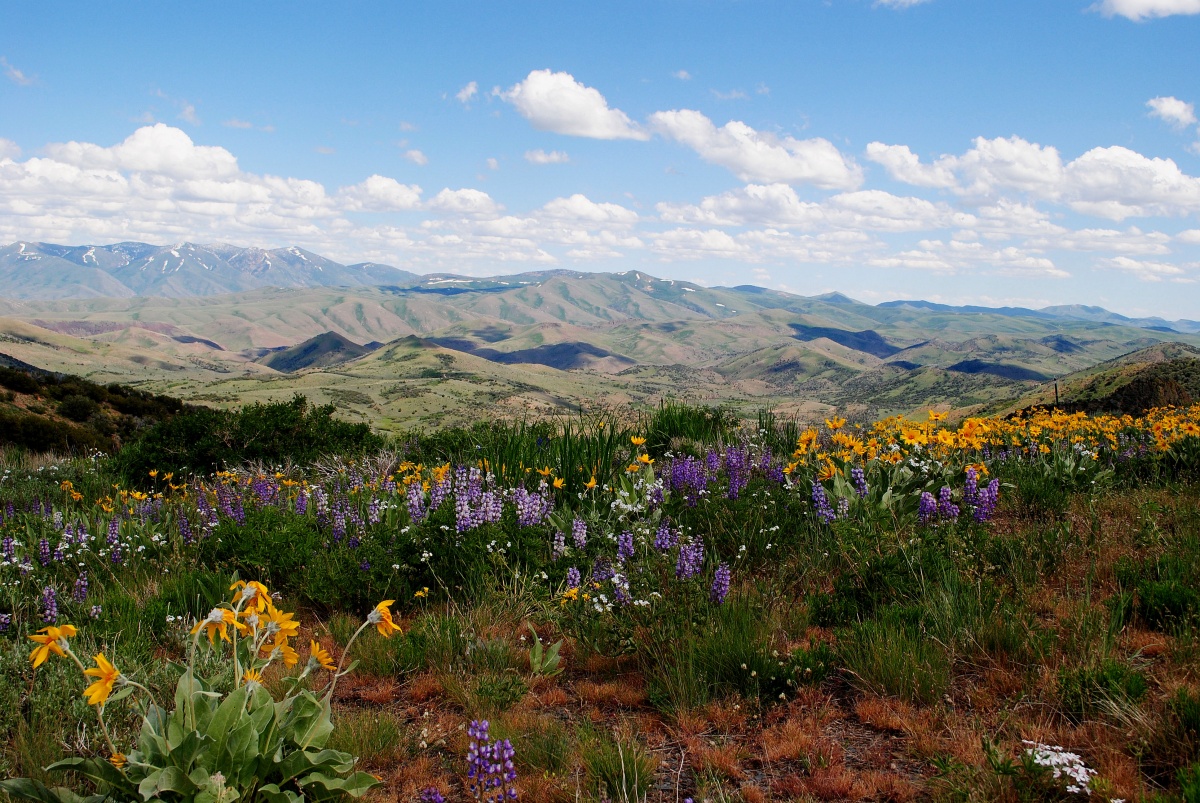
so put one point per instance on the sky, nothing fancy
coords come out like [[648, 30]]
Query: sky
[[1014, 152]]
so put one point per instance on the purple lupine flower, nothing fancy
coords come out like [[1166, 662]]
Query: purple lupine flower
[[664, 539], [114, 532], [49, 605], [374, 516], [988, 498], [859, 478], [602, 570], [302, 503], [559, 547], [625, 546], [365, 566], [8, 547], [490, 769], [5, 621], [185, 529], [720, 586], [439, 492], [415, 497], [353, 542], [573, 578], [579, 533], [821, 504], [927, 508], [431, 795], [737, 467], [80, 591], [971, 489], [946, 507], [44, 551], [531, 507], [95, 612], [691, 560], [843, 508]]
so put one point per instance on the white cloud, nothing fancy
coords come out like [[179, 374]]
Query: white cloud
[[1131, 241], [188, 114], [416, 157], [469, 91], [158, 149], [582, 209], [1173, 111], [904, 165], [1117, 183], [957, 255], [1191, 236], [466, 202], [236, 123], [1146, 271], [1138, 10], [758, 156], [555, 101], [682, 75], [9, 149], [733, 94], [900, 4], [493, 163], [18, 77], [380, 194], [541, 157]]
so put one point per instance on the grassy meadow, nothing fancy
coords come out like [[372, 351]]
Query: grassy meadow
[[609, 605]]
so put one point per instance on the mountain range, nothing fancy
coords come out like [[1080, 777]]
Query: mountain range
[[399, 349]]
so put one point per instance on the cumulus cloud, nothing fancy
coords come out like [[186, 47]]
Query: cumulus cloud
[[759, 156], [380, 194], [556, 102], [1172, 111], [468, 92], [1191, 236], [904, 165], [956, 255], [9, 149], [582, 209], [1142, 269], [18, 77], [1131, 241], [1138, 10], [416, 157], [466, 202], [541, 157]]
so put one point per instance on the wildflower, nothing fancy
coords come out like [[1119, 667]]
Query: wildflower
[[637, 440], [216, 622], [381, 617], [251, 595], [320, 657], [424, 592], [590, 484], [118, 760], [283, 652], [573, 578], [52, 640], [720, 586], [835, 423], [49, 604], [645, 460], [106, 675], [559, 483], [253, 679]]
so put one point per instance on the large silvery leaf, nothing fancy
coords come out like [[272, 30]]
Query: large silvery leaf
[[318, 786]]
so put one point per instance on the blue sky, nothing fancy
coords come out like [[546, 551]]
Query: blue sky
[[965, 151]]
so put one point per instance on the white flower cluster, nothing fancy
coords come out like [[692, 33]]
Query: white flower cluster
[[1064, 765]]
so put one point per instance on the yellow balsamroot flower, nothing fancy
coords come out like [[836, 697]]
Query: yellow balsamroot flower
[[254, 594], [52, 640], [560, 483], [590, 484], [281, 651], [106, 675], [936, 416], [545, 472], [632, 467], [637, 440], [835, 423], [216, 622], [280, 624], [118, 760], [381, 617], [322, 658], [252, 678], [645, 459]]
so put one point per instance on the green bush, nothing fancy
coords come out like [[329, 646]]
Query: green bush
[[201, 440], [1088, 691], [894, 656]]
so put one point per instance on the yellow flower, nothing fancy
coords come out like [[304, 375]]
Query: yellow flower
[[52, 640], [381, 617], [280, 624], [835, 423], [637, 440], [254, 594], [322, 658], [545, 472], [216, 622], [154, 472], [645, 459], [590, 484], [118, 760], [935, 416], [283, 652], [560, 483], [632, 467], [424, 592], [252, 676], [106, 675]]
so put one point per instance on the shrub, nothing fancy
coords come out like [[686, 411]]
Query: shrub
[[894, 656], [1088, 691], [77, 408]]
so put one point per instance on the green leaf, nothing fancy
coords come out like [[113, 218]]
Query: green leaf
[[169, 779], [121, 695], [270, 793], [184, 753], [226, 717], [95, 768], [30, 789], [328, 787]]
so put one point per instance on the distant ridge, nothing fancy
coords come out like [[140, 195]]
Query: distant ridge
[[321, 351], [1075, 312]]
